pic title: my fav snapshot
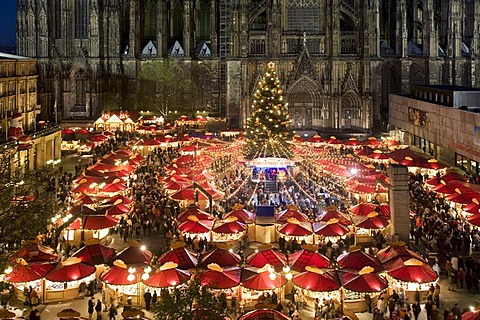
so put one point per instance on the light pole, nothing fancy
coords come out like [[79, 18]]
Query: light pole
[[134, 275]]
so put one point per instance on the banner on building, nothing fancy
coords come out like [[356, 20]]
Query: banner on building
[[417, 117], [476, 135]]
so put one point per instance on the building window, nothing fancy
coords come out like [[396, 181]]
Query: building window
[[81, 99], [81, 18], [176, 22], [203, 21], [303, 15], [151, 19], [461, 161], [58, 20]]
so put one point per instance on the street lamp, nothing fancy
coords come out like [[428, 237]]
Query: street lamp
[[133, 275]]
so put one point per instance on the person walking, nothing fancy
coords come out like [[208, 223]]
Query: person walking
[[147, 296], [154, 299], [112, 312], [98, 309], [416, 309], [91, 308]]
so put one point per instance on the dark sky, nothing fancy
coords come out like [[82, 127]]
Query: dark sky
[[8, 20]]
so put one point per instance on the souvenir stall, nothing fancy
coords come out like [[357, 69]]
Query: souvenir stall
[[308, 256], [193, 210], [181, 255], [291, 212], [296, 230], [135, 255], [230, 230], [95, 254], [63, 281], [242, 214], [333, 213], [331, 230], [190, 196], [218, 279], [195, 228], [89, 227], [23, 276], [356, 259], [266, 255], [254, 283], [368, 188], [365, 225], [357, 283], [167, 276], [123, 283], [394, 256], [33, 251], [221, 255], [410, 275], [315, 283]]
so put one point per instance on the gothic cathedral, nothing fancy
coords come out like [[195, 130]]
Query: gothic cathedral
[[337, 59]]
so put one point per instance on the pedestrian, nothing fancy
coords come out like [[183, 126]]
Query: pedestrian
[[34, 314], [147, 296], [154, 299], [98, 309], [91, 308], [457, 314], [234, 305], [416, 309], [112, 312]]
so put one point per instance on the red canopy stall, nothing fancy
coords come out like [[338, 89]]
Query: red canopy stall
[[181, 255], [63, 281]]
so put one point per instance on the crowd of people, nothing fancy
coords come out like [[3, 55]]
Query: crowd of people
[[435, 224]]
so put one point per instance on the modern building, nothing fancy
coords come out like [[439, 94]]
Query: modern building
[[25, 142], [443, 121], [338, 59]]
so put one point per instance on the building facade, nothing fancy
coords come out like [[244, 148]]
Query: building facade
[[24, 144], [443, 121], [338, 59], [18, 91]]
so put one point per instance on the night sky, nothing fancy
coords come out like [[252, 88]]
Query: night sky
[[8, 20]]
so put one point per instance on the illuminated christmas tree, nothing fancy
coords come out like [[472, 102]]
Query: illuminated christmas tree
[[268, 125]]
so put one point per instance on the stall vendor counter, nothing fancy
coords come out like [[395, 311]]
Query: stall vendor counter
[[61, 295]]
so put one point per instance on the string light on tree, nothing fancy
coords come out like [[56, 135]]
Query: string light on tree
[[268, 126]]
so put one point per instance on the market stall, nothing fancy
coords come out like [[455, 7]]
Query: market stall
[[89, 227], [308, 256], [357, 283], [167, 276], [410, 276], [181, 255], [266, 255], [254, 281], [123, 283], [23, 276], [63, 281], [293, 229], [315, 283], [221, 256], [228, 230]]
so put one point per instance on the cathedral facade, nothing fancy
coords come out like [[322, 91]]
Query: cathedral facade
[[337, 59]]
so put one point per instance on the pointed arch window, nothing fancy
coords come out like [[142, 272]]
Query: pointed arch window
[[57, 32], [81, 19], [203, 23], [303, 15], [176, 22], [81, 90], [151, 8]]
